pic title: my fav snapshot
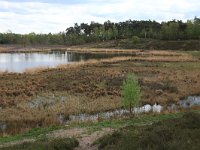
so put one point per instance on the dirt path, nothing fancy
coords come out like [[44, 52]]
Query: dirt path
[[85, 138]]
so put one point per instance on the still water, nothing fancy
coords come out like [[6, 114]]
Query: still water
[[19, 62]]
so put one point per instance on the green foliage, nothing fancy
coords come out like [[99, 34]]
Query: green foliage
[[115, 32], [172, 134], [32, 39], [44, 144], [193, 29], [170, 31], [135, 39], [34, 133], [115, 123], [131, 91], [94, 32]]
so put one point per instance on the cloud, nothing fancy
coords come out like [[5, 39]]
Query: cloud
[[44, 16]]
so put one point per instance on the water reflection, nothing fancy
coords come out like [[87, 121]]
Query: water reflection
[[19, 62]]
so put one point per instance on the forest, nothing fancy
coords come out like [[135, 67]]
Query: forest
[[95, 32]]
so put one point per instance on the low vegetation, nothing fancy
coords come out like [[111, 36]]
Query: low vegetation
[[44, 144], [37, 134], [41, 97], [149, 44], [177, 134], [38, 102]]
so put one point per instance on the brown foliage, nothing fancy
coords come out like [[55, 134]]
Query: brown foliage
[[95, 86]]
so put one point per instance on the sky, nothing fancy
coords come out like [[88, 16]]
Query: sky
[[44, 16]]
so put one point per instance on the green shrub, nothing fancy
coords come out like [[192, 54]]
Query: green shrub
[[46, 144], [131, 92], [135, 39], [173, 134]]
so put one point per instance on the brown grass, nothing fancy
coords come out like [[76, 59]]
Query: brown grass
[[94, 86], [47, 114], [131, 51]]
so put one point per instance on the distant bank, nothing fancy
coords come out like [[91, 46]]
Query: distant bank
[[141, 44]]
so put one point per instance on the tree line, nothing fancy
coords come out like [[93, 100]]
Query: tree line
[[95, 32]]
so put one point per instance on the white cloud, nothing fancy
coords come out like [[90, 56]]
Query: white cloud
[[24, 17]]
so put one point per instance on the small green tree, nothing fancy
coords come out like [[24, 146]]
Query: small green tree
[[131, 91], [135, 39]]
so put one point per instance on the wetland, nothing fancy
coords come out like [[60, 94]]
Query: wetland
[[40, 96]]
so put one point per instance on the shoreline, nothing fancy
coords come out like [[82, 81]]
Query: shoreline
[[79, 48], [83, 49]]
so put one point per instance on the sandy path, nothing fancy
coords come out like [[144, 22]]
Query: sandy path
[[85, 138]]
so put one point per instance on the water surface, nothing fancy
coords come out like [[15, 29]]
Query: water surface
[[19, 62]]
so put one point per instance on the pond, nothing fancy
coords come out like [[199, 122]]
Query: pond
[[19, 62]]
